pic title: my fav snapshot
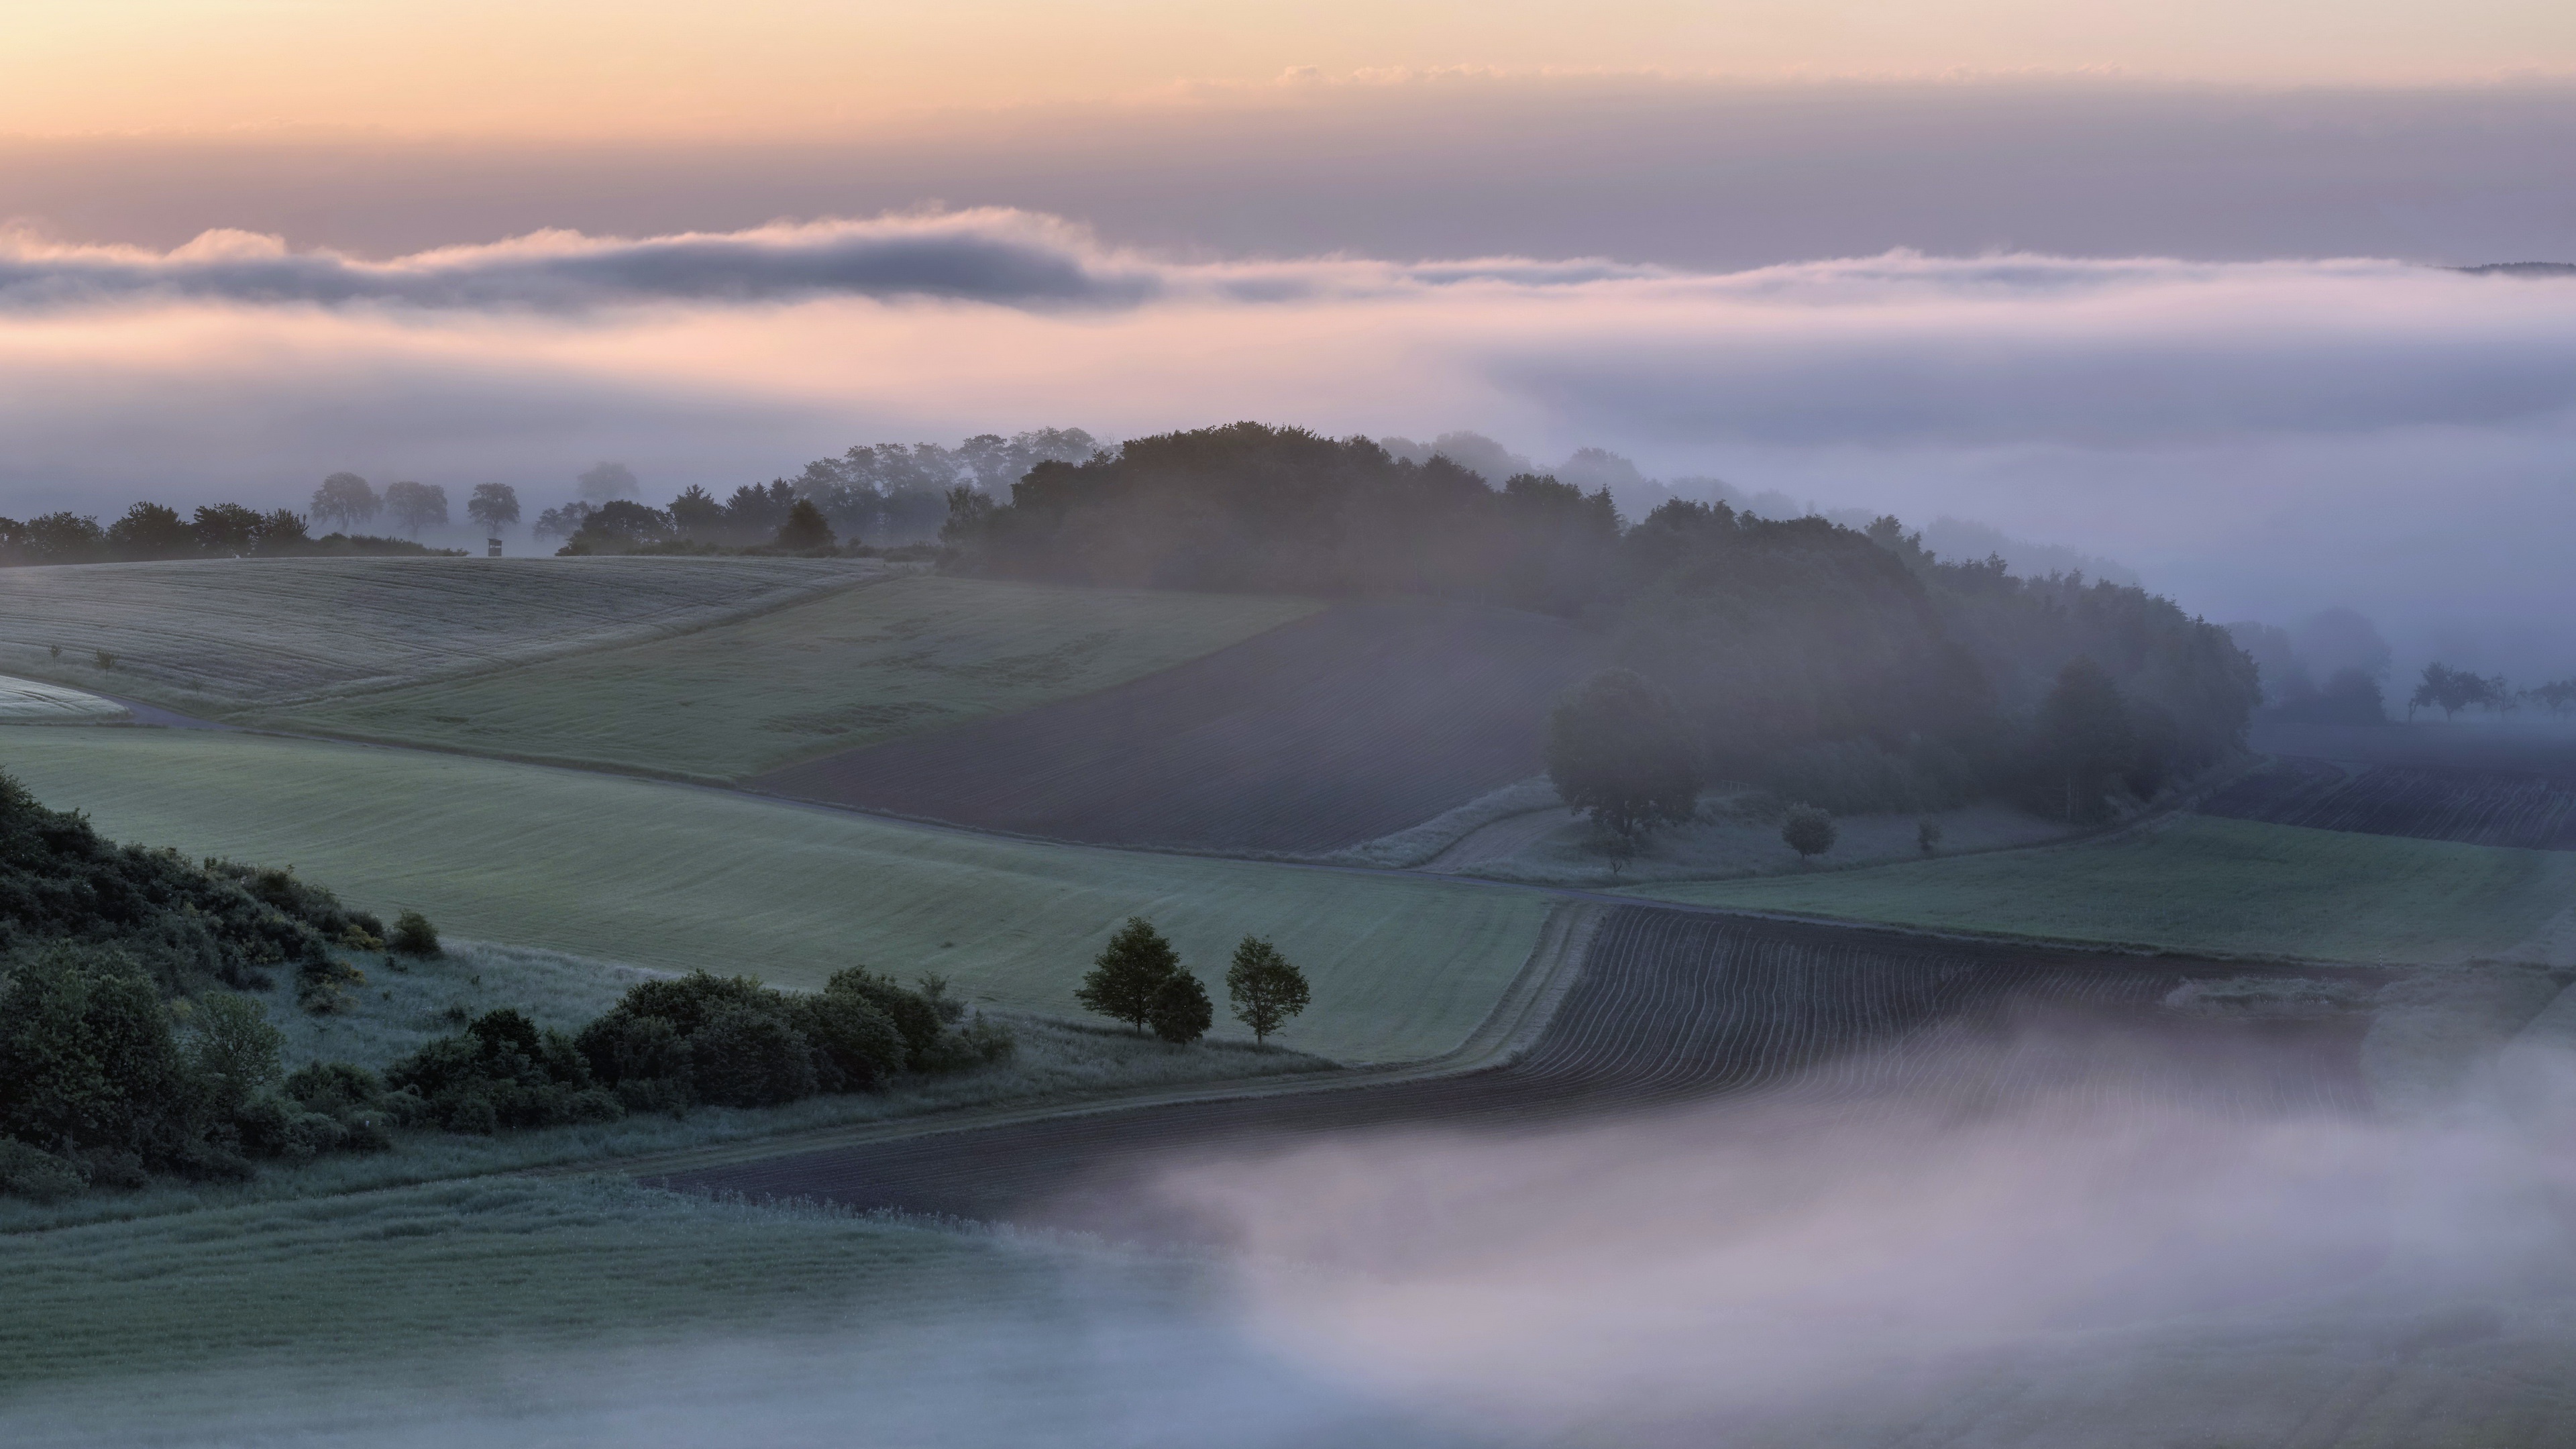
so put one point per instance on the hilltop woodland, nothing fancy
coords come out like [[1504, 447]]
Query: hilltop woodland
[[1851, 669], [131, 1045]]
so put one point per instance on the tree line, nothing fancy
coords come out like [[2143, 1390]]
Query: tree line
[[2453, 690]]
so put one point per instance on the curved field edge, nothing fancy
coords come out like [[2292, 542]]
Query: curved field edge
[[2200, 884], [674, 877], [215, 635], [910, 654]]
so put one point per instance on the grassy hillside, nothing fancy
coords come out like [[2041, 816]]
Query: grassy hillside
[[212, 633], [846, 670], [678, 877], [2203, 884], [1361, 720]]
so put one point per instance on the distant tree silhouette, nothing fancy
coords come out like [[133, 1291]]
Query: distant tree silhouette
[[805, 527], [1263, 988], [1618, 753], [345, 502], [1808, 831], [149, 530], [494, 506], [1126, 974], [2452, 690], [416, 505]]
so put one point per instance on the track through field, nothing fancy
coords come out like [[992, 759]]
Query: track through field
[[1671, 1007]]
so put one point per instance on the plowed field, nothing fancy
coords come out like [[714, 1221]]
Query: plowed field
[[2474, 807], [1671, 1006], [1338, 728]]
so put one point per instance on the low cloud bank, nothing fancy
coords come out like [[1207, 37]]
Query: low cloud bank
[[2264, 439]]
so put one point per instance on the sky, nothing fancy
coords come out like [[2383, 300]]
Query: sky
[[2165, 284]]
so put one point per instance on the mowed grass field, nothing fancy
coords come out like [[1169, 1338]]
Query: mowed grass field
[[210, 634], [2203, 884], [853, 668], [677, 877]]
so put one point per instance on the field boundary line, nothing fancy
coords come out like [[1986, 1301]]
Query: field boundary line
[[1527, 1005]]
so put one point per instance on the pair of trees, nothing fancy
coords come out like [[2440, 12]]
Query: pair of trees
[[349, 502], [2451, 692], [1138, 979]]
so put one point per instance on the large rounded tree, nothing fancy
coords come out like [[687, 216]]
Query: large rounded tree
[[1618, 752]]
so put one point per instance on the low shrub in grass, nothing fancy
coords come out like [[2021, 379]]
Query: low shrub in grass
[[501, 1071], [413, 935]]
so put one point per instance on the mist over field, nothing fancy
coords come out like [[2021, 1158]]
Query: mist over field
[[2063, 1230], [2260, 439]]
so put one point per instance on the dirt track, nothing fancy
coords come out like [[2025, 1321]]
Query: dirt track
[[1350, 724], [1670, 1007]]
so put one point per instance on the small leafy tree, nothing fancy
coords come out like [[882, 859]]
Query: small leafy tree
[[345, 501], [1808, 831], [1181, 1012], [413, 935], [1127, 973], [494, 506], [1927, 834], [1263, 987], [805, 527], [1617, 751], [231, 1046]]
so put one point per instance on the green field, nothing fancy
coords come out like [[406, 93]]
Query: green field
[[846, 670], [2203, 884], [676, 877], [210, 634]]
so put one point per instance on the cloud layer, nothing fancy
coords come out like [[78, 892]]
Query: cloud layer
[[2259, 437]]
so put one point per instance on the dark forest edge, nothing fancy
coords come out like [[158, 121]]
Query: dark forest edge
[[1849, 669]]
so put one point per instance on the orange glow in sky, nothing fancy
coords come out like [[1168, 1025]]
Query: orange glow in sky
[[593, 68]]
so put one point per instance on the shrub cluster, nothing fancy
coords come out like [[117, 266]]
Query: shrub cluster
[[183, 925], [670, 1045], [103, 1081]]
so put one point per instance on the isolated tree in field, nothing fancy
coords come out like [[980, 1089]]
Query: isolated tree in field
[[1181, 1012], [2084, 739], [1808, 830], [1617, 751], [1927, 835], [416, 505], [605, 481], [345, 502], [805, 527], [493, 507], [1127, 973], [1263, 987]]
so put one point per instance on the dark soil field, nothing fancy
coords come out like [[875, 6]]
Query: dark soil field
[[1671, 1007], [2475, 784], [2474, 807], [1339, 728]]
